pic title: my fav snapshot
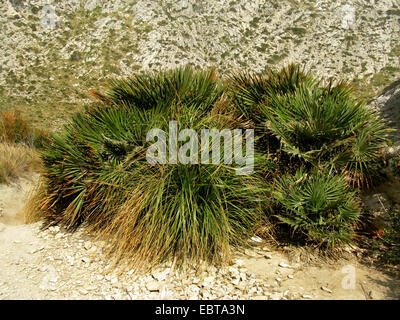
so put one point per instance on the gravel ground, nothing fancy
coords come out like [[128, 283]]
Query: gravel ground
[[54, 264]]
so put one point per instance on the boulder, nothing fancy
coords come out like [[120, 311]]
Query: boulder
[[379, 205], [388, 106]]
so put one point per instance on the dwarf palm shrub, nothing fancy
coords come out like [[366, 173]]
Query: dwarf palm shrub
[[248, 91], [145, 91], [96, 173], [320, 125], [318, 206], [326, 127]]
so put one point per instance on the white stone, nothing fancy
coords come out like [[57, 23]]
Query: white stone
[[86, 260], [114, 280], [160, 275], [239, 262], [256, 239], [83, 291], [284, 265]]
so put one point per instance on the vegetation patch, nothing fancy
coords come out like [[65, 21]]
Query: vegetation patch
[[324, 142], [95, 171], [317, 146], [319, 206], [16, 161]]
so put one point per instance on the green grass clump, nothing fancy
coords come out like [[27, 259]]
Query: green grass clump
[[96, 173]]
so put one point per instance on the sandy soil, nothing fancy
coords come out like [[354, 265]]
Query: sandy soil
[[52, 264]]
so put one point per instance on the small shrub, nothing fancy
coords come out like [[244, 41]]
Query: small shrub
[[298, 31], [318, 206], [391, 239], [13, 128]]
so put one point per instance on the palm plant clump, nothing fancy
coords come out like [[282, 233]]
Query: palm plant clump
[[248, 91], [326, 127], [319, 206], [96, 173], [316, 128], [320, 125], [314, 143]]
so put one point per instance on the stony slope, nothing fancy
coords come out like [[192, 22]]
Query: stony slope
[[52, 51]]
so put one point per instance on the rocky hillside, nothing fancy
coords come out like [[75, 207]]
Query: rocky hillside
[[52, 51]]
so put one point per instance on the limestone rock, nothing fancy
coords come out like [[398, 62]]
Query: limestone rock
[[379, 205]]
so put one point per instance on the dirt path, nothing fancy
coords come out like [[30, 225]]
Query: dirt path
[[53, 264]]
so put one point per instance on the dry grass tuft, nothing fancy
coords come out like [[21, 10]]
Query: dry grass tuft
[[31, 212], [17, 160]]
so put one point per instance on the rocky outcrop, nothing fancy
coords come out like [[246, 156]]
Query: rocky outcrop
[[379, 205], [388, 105]]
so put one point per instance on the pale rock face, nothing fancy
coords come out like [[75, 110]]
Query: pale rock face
[[145, 11], [388, 106], [38, 39], [383, 4], [379, 204]]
